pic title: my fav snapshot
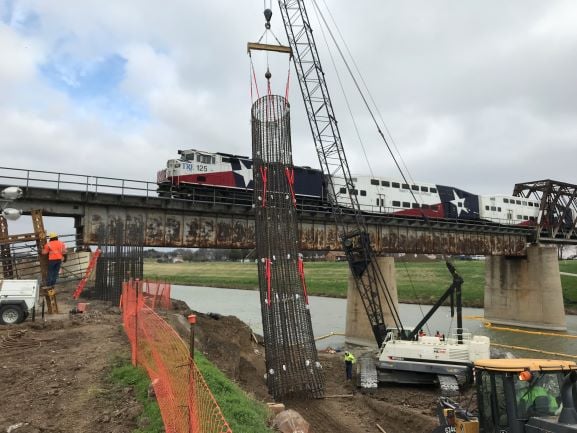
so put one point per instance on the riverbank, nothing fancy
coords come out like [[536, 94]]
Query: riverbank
[[417, 282]]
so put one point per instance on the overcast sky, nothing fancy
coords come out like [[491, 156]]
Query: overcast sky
[[479, 95]]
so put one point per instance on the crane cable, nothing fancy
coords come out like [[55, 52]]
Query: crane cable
[[320, 14]]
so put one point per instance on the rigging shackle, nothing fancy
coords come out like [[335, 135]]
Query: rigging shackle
[[267, 17]]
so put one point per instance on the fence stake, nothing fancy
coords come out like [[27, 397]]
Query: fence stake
[[192, 321]]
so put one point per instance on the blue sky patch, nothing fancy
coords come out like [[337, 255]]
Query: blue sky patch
[[93, 84]]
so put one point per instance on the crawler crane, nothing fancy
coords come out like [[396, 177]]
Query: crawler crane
[[401, 358]]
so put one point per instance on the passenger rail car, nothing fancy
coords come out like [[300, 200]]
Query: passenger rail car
[[197, 168]]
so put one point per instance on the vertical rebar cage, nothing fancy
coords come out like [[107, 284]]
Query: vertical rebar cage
[[293, 368]]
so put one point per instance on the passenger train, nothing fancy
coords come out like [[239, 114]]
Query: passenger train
[[197, 168]]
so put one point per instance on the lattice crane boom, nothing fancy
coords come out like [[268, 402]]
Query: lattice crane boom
[[324, 127]]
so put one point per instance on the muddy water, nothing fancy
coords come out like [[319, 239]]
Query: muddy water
[[328, 315]]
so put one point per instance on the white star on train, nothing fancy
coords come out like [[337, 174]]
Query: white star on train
[[246, 174], [459, 203]]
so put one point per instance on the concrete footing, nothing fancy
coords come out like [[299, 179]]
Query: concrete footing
[[525, 291], [358, 329]]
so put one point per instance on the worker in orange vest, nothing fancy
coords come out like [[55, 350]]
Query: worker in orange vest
[[56, 251]]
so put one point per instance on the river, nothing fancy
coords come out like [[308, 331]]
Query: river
[[328, 315]]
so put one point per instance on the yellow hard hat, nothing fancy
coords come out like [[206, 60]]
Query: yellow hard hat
[[52, 235]]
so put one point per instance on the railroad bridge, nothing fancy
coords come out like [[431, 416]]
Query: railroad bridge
[[213, 218]]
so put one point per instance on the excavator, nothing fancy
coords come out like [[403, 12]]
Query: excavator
[[516, 396]]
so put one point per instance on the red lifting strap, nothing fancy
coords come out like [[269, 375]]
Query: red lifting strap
[[301, 270], [263, 173], [268, 277], [290, 175], [89, 270]]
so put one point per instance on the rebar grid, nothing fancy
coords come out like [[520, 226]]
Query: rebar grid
[[121, 259], [293, 368]]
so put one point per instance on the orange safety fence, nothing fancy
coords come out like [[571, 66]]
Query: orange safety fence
[[186, 403], [156, 294]]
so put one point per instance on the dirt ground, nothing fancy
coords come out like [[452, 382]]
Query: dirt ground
[[53, 376]]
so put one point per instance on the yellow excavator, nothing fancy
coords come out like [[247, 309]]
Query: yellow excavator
[[516, 396]]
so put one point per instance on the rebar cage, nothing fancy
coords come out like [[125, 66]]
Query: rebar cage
[[293, 368]]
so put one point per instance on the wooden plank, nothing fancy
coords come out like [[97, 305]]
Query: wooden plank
[[268, 47]]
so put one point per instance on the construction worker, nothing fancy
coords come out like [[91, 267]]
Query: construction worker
[[56, 251], [349, 361]]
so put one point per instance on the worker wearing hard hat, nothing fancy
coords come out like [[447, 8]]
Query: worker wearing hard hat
[[349, 361], [56, 251]]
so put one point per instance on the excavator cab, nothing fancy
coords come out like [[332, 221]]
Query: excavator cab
[[526, 395], [517, 396]]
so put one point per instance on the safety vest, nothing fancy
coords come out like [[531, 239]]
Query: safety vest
[[538, 391], [55, 249], [350, 357]]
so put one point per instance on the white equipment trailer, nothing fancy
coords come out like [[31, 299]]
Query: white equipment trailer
[[18, 299]]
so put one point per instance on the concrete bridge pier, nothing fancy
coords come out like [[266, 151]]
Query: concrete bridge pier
[[525, 291], [358, 329]]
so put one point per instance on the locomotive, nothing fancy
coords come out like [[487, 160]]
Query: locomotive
[[195, 168]]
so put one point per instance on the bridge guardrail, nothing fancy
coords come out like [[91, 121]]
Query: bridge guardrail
[[76, 182]]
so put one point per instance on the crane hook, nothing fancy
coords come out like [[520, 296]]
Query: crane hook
[[267, 75], [267, 16]]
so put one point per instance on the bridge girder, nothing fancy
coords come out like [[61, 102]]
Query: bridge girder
[[229, 223]]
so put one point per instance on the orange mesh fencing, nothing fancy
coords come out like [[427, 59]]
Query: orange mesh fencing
[[186, 403], [156, 294]]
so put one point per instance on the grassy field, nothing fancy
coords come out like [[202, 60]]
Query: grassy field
[[421, 282]]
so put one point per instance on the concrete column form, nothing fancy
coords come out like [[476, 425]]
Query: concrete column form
[[358, 329], [525, 291]]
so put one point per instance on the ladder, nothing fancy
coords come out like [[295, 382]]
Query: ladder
[[89, 269]]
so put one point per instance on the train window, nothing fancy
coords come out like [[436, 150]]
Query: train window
[[363, 193], [531, 218], [519, 217], [505, 200], [524, 203], [425, 188], [525, 217], [201, 178], [406, 204], [385, 183], [415, 205], [354, 191], [396, 203], [405, 186], [225, 159], [396, 185], [415, 187], [374, 181], [433, 190], [518, 201], [378, 201], [343, 190], [205, 159], [486, 207], [425, 206], [498, 209]]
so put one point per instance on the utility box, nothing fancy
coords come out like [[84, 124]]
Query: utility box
[[17, 299]]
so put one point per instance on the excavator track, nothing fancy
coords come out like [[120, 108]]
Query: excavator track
[[367, 373], [449, 385]]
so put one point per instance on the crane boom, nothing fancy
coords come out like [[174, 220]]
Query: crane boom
[[351, 225]]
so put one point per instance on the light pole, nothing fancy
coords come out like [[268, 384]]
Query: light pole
[[8, 196]]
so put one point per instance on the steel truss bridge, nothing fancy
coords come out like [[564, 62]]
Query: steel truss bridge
[[209, 217]]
